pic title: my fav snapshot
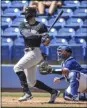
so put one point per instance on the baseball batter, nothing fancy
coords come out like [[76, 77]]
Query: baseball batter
[[26, 66], [73, 73]]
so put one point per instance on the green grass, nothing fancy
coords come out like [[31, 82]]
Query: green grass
[[18, 94]]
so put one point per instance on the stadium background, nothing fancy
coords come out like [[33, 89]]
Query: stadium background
[[71, 29]]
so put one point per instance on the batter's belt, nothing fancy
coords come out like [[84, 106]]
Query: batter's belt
[[29, 49]]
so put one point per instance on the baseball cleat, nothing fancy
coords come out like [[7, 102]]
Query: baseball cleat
[[73, 98], [54, 96], [25, 97], [82, 97]]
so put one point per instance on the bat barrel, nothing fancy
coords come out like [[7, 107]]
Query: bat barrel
[[56, 19]]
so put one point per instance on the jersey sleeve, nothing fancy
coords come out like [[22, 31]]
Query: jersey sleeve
[[73, 65], [83, 70], [43, 28]]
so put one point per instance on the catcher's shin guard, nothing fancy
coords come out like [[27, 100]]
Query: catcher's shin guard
[[23, 82]]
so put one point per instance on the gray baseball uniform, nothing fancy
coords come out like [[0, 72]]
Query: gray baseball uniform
[[34, 33], [32, 50]]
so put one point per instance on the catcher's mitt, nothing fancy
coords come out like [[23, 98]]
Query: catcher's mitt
[[44, 68]]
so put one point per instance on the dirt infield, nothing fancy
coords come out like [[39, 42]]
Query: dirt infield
[[40, 102]]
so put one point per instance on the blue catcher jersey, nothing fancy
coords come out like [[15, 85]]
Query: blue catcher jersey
[[72, 64]]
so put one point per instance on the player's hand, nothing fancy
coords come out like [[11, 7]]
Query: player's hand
[[46, 42], [45, 34], [45, 39], [56, 79]]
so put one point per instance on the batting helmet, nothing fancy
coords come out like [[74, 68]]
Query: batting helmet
[[29, 12]]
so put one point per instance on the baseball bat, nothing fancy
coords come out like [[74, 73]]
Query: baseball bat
[[56, 19]]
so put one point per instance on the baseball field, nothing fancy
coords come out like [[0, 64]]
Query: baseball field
[[10, 99]]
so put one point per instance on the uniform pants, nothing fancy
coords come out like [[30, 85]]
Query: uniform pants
[[28, 64], [76, 83], [73, 83], [82, 82]]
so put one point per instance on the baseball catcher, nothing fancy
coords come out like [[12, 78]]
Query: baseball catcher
[[73, 73]]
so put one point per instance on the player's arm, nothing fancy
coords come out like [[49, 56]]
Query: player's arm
[[45, 37], [56, 79], [63, 71], [74, 65]]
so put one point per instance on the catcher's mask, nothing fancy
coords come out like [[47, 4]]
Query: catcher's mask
[[29, 12], [63, 52]]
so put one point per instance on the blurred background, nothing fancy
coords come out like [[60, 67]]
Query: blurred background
[[70, 29]]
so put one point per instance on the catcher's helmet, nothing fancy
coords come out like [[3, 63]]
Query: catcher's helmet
[[60, 52], [65, 47]]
